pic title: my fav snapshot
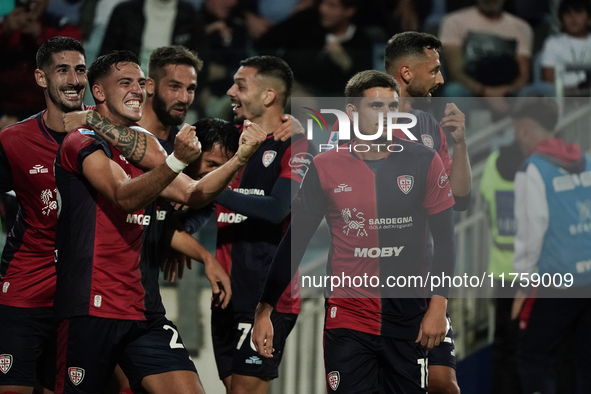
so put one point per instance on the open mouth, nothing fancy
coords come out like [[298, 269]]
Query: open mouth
[[72, 94], [133, 103], [179, 110], [235, 106]]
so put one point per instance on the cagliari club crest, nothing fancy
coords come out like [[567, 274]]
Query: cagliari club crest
[[5, 363], [405, 183], [334, 378], [76, 375], [427, 140], [268, 157]]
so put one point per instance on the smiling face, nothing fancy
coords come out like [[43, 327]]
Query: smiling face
[[245, 95], [173, 93], [123, 92], [65, 81], [376, 103], [426, 75]]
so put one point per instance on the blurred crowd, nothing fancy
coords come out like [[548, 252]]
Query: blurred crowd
[[491, 48]]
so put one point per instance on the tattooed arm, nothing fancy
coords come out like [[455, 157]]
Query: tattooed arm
[[141, 149]]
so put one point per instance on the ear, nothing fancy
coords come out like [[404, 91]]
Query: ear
[[40, 78], [350, 109], [406, 74], [150, 86], [269, 97], [98, 93]]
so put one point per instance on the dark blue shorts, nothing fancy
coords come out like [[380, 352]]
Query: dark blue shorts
[[90, 347], [27, 346], [445, 353], [233, 347], [357, 362]]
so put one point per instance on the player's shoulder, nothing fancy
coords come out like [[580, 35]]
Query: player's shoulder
[[23, 126], [415, 149], [80, 138], [333, 155]]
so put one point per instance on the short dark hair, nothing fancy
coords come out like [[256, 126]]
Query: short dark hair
[[368, 79], [173, 54], [56, 45], [576, 5], [102, 66], [409, 43], [274, 67], [543, 110], [211, 131]]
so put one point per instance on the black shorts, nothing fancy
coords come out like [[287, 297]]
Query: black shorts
[[27, 346], [445, 353], [356, 362], [90, 347], [234, 350]]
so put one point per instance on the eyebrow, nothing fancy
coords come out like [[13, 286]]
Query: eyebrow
[[128, 79], [180, 83]]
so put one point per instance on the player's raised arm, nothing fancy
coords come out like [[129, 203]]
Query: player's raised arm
[[197, 194], [460, 175], [141, 149], [110, 179]]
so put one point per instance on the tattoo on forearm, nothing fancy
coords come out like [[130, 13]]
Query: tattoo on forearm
[[131, 143]]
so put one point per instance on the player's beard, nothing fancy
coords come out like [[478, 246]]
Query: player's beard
[[163, 113], [415, 90], [64, 105]]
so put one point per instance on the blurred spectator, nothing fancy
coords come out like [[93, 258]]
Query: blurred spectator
[[140, 26], [227, 39], [496, 186], [260, 15], [487, 51], [553, 215], [572, 47], [22, 32], [322, 45]]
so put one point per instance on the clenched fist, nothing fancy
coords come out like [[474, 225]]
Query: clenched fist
[[251, 138], [187, 147]]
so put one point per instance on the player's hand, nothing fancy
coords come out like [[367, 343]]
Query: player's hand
[[220, 282], [251, 138], [174, 265], [434, 325], [262, 330], [455, 121], [179, 207], [187, 147], [290, 126], [518, 302], [75, 119]]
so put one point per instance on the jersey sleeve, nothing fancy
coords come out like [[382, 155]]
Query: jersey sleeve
[[5, 172], [310, 201], [296, 160], [77, 146], [438, 196]]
